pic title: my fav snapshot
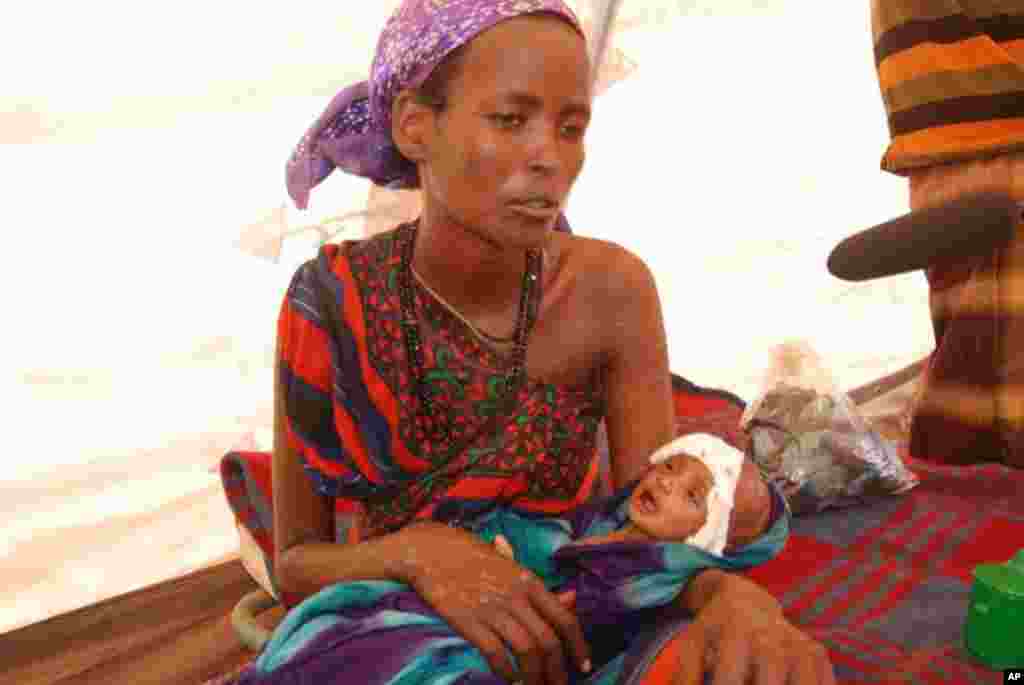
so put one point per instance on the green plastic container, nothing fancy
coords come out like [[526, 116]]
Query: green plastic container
[[994, 632]]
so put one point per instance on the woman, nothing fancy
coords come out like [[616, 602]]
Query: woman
[[469, 358]]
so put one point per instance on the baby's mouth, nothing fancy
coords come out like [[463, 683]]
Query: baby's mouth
[[645, 501]]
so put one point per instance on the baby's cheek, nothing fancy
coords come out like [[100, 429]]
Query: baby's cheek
[[686, 523]]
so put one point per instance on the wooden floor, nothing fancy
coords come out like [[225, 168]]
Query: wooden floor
[[174, 633]]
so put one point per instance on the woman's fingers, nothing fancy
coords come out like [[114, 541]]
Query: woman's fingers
[[732, 663], [550, 647], [491, 645], [565, 624], [509, 626], [774, 669], [805, 672], [815, 669], [567, 599], [691, 656], [751, 641]]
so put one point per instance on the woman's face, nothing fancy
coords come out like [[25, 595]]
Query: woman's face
[[505, 152], [670, 501]]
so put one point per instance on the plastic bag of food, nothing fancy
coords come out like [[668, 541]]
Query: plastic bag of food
[[808, 438]]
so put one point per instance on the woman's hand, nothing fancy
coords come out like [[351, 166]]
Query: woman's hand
[[741, 636], [496, 604]]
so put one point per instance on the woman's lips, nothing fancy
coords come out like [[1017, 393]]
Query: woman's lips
[[534, 210]]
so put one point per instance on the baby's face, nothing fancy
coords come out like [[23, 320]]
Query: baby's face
[[670, 501]]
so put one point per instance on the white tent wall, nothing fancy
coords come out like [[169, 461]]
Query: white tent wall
[[139, 143], [752, 147]]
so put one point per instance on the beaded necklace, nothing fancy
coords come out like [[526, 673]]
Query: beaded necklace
[[405, 235], [482, 334]]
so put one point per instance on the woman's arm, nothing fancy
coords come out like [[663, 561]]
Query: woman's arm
[[638, 384], [306, 557]]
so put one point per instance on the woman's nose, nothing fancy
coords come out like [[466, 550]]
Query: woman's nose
[[544, 164], [545, 157]]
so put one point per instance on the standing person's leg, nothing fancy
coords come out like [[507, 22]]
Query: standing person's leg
[[1012, 303], [969, 409], [950, 76]]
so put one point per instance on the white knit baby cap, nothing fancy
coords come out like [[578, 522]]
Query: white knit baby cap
[[725, 463]]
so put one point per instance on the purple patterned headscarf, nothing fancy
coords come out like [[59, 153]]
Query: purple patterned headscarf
[[354, 133]]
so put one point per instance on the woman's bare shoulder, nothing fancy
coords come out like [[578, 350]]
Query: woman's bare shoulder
[[605, 267], [600, 257]]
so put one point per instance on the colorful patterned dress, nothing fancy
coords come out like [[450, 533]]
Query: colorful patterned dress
[[354, 417]]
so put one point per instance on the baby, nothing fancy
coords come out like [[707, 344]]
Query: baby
[[686, 496]]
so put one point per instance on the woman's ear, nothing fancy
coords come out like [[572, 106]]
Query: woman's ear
[[411, 126]]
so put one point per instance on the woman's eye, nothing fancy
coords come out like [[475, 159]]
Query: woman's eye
[[572, 131], [508, 120]]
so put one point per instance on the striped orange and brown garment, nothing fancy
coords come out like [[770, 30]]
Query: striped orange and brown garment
[[971, 404], [951, 74]]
